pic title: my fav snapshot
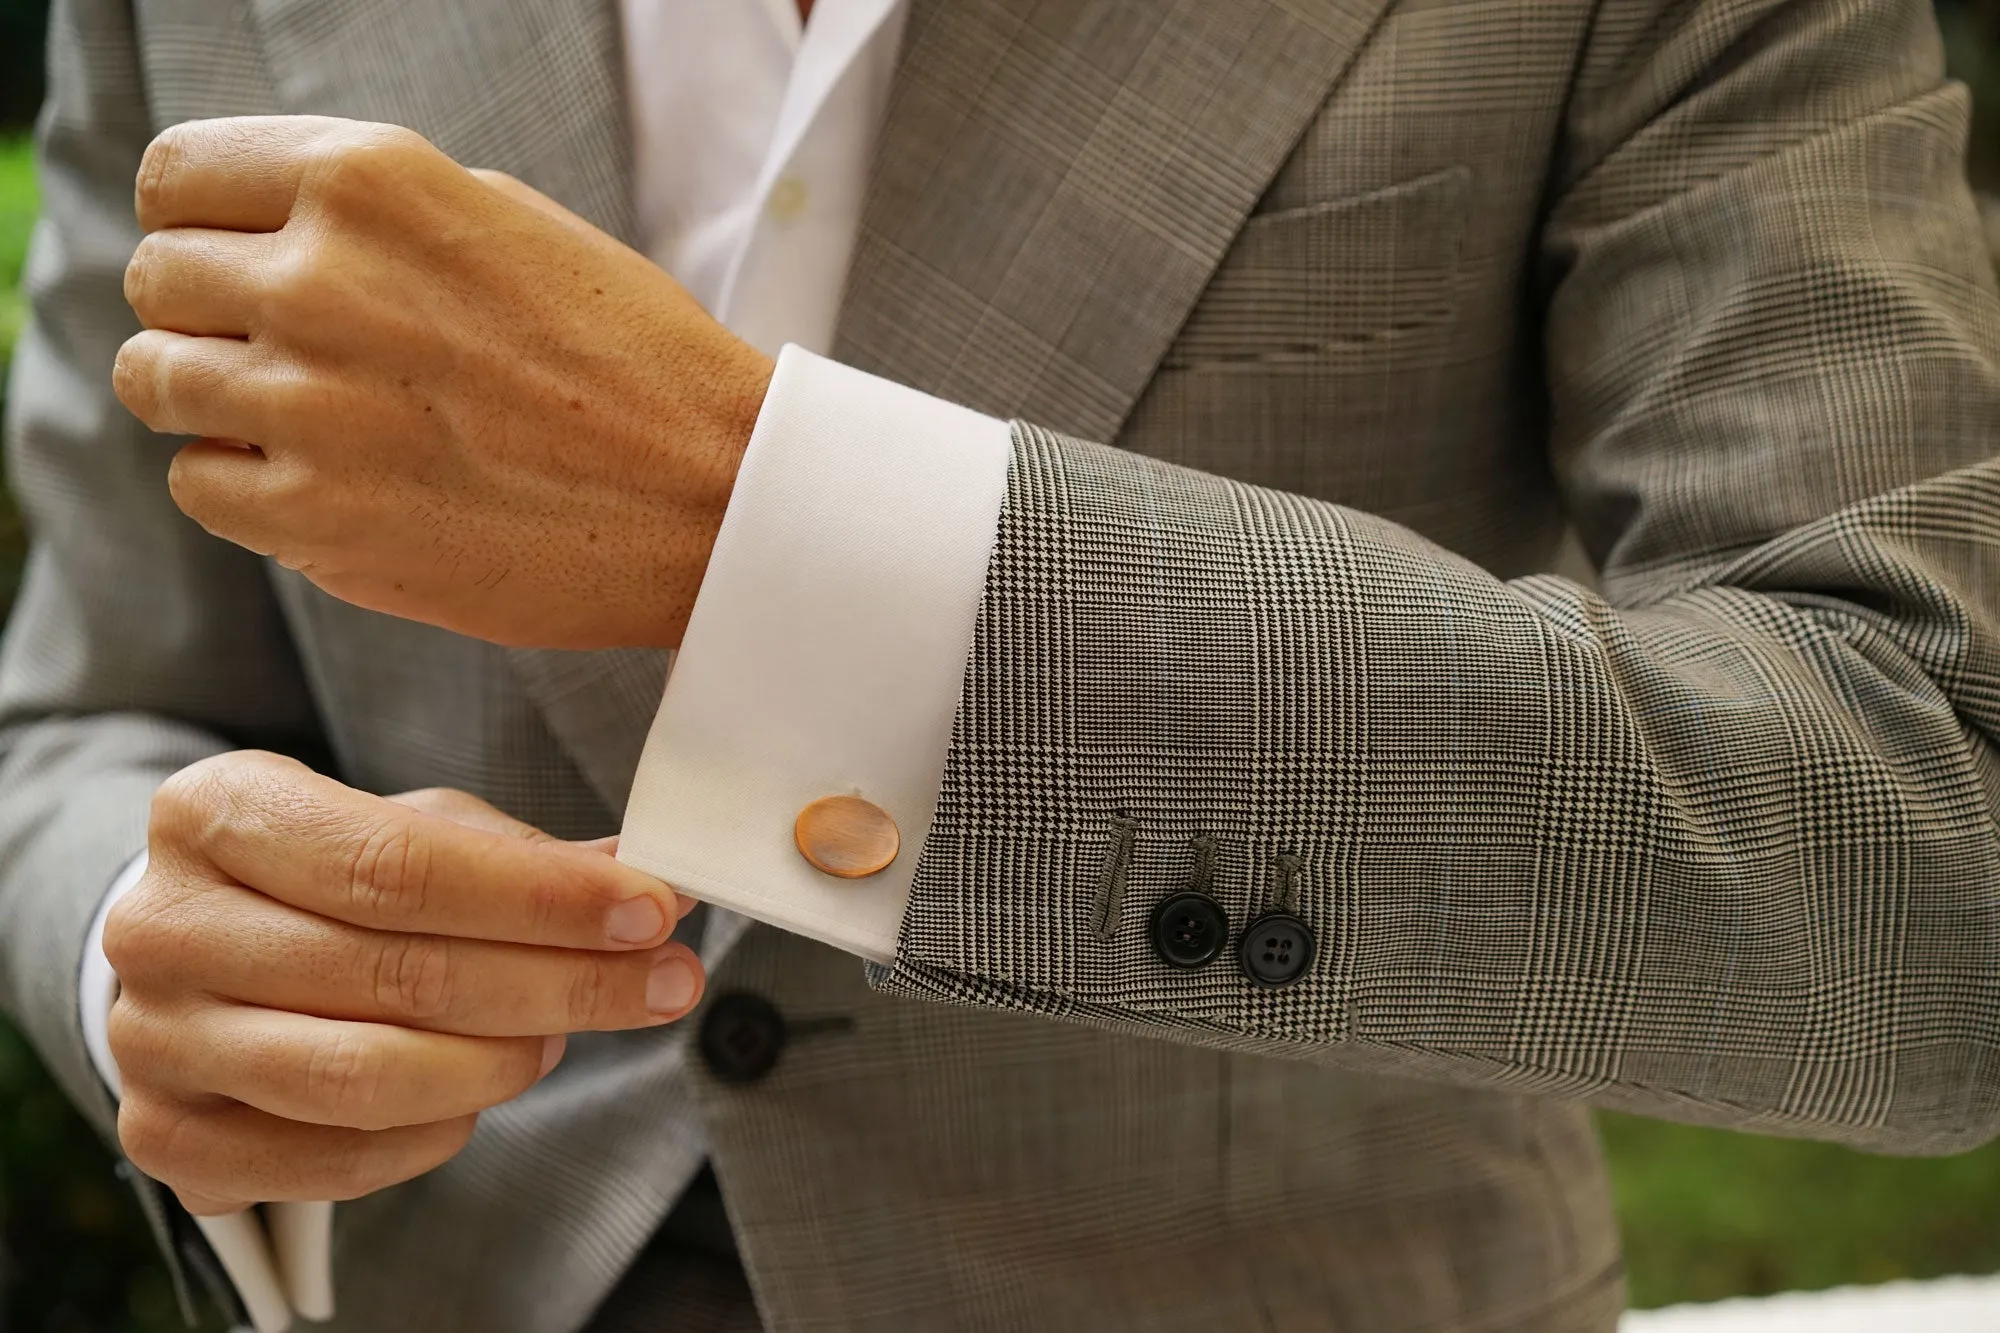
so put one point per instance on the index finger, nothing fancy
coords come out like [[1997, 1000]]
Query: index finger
[[274, 825], [238, 173]]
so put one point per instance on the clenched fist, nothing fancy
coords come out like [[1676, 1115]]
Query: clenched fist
[[432, 391], [321, 989]]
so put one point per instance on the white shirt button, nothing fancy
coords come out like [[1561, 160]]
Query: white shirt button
[[788, 199]]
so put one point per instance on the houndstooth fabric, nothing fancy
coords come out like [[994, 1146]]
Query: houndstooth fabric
[[1380, 301]]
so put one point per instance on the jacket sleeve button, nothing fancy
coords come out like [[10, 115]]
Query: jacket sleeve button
[[1276, 949], [1189, 929]]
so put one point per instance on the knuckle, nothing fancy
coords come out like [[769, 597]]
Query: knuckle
[[159, 1136], [130, 1037], [592, 990], [295, 286], [355, 1168], [143, 933], [344, 1073], [157, 169], [135, 376], [414, 976], [545, 904], [566, 890], [390, 873], [369, 1162], [185, 487], [351, 167], [193, 806], [161, 376], [141, 274]]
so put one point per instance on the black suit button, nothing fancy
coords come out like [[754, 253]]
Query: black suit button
[[1189, 929], [1276, 949], [742, 1036]]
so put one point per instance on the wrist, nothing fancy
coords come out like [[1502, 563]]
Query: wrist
[[729, 404], [743, 380]]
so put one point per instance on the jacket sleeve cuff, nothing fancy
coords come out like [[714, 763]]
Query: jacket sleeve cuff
[[826, 651]]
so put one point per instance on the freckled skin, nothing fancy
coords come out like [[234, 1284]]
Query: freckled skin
[[468, 406]]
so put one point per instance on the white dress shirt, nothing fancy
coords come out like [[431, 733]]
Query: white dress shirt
[[825, 653]]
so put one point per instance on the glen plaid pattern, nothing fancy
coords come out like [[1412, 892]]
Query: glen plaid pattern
[[1718, 844], [1699, 278]]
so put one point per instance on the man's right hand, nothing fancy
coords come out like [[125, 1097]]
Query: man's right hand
[[321, 989]]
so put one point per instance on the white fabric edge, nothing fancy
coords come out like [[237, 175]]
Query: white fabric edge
[[1936, 1305], [97, 984], [244, 1251], [302, 1237], [826, 651]]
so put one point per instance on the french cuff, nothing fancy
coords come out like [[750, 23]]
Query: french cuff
[[278, 1272], [826, 651]]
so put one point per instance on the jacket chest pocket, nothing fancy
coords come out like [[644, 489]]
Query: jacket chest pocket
[[1315, 356]]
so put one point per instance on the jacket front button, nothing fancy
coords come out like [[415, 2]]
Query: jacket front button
[[1276, 949], [1189, 929], [741, 1038]]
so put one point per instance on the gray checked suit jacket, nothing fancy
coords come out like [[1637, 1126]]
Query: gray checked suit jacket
[[1370, 303]]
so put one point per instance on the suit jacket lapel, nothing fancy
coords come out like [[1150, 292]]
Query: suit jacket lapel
[[534, 88], [1056, 182]]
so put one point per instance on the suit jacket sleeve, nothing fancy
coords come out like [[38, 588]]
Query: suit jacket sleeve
[[139, 643], [1717, 843]]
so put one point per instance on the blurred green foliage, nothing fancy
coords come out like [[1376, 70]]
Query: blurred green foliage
[[78, 1256], [1972, 45], [17, 215], [1706, 1215]]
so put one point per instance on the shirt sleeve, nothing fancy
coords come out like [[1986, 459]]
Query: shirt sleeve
[[273, 1280], [98, 984], [826, 651]]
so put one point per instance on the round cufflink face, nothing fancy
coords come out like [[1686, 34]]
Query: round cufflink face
[[847, 836], [1276, 950], [1189, 929]]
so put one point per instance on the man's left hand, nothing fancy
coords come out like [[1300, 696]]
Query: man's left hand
[[432, 391]]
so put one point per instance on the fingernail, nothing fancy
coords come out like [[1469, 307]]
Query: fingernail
[[635, 920], [671, 987], [552, 1051]]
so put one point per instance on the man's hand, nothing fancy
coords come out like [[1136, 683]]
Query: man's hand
[[321, 989], [434, 392]]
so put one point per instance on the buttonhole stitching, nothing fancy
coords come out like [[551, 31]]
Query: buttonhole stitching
[[1286, 896], [1203, 878], [1111, 883]]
